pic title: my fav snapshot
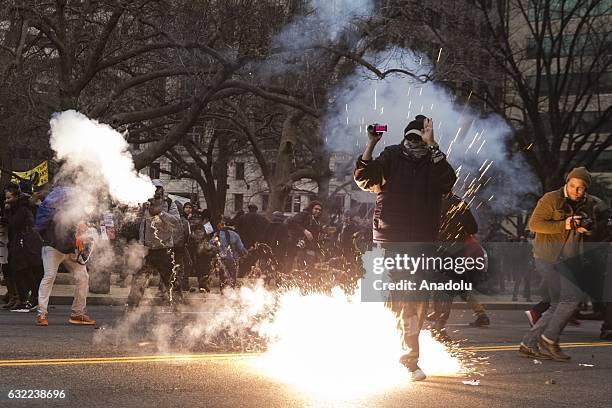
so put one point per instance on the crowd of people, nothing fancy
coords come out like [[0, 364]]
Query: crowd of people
[[415, 211], [178, 241]]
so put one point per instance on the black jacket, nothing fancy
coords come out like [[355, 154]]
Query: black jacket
[[303, 221], [457, 220], [409, 193], [252, 228], [277, 237], [25, 244]]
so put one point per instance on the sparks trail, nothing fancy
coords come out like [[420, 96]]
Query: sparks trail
[[170, 252]]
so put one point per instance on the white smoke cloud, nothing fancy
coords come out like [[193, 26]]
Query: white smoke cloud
[[323, 22], [99, 158], [474, 144]]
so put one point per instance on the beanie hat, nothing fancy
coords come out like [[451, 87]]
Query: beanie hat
[[580, 173], [414, 130]]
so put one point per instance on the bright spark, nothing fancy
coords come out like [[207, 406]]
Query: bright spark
[[337, 347]]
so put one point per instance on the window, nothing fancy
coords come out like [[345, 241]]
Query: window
[[293, 203], [297, 203], [154, 170], [574, 83], [239, 171], [588, 121], [238, 202], [265, 200], [564, 8], [571, 45]]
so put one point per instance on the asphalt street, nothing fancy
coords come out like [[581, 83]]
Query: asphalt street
[[124, 373]]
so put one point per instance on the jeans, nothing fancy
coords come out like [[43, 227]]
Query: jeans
[[52, 258], [564, 295], [410, 306]]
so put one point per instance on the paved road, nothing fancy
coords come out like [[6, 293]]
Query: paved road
[[132, 372]]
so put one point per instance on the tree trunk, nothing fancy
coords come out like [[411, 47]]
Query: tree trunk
[[281, 180], [220, 176]]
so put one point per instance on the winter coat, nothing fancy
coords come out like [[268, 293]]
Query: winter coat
[[304, 221], [552, 241], [408, 194], [168, 221], [54, 231], [252, 227], [277, 237], [457, 220], [25, 243], [229, 243]]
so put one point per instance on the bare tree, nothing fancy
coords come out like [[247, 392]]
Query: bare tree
[[556, 59]]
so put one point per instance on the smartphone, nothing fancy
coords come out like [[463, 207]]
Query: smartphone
[[380, 128]]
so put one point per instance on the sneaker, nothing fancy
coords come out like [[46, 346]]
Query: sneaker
[[532, 352], [41, 320], [11, 304], [21, 308], [81, 319], [192, 290], [481, 321], [532, 316], [417, 375], [606, 335], [553, 349]]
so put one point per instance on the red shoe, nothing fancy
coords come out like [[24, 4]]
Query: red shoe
[[532, 316], [81, 319]]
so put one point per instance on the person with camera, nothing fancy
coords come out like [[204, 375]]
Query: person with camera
[[305, 230], [564, 222], [409, 180]]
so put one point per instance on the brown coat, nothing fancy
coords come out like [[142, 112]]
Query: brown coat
[[548, 223]]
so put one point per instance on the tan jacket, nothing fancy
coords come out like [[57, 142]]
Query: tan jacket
[[548, 223]]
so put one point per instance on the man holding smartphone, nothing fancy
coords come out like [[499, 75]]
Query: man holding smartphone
[[409, 180]]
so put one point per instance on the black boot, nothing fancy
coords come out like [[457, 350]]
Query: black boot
[[481, 321]]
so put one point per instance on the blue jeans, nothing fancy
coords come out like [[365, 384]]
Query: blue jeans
[[564, 295]]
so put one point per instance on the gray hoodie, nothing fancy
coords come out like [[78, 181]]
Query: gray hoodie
[[165, 224]]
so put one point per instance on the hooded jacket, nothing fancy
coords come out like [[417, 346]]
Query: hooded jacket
[[54, 230], [158, 232], [408, 191]]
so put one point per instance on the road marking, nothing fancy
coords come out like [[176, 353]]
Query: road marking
[[184, 358], [130, 359], [515, 346]]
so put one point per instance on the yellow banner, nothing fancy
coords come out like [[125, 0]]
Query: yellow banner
[[38, 176]]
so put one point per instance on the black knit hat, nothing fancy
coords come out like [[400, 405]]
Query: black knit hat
[[416, 126]]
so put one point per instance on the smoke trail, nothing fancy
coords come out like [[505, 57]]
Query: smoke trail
[[97, 156], [475, 145], [322, 22]]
